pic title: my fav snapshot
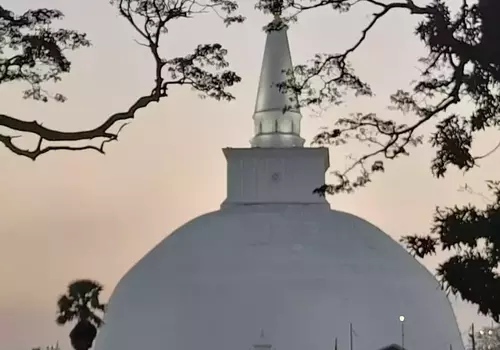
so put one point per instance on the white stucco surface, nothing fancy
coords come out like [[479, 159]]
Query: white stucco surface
[[301, 273], [276, 258], [277, 116], [275, 175]]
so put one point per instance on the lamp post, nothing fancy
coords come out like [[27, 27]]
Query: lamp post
[[402, 320]]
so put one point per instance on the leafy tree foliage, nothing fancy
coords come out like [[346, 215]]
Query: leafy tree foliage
[[462, 65], [81, 304], [33, 52], [471, 236]]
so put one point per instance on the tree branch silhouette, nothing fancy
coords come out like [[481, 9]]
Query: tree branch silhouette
[[462, 65], [39, 57]]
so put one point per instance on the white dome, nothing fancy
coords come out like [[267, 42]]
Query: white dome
[[301, 273]]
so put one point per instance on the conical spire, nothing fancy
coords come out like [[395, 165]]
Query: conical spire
[[277, 116]]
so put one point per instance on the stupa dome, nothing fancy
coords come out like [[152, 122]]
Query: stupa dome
[[276, 258], [299, 272]]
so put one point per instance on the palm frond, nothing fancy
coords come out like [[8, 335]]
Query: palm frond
[[64, 302], [80, 303], [96, 320], [83, 288]]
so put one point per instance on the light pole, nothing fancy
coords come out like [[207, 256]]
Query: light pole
[[473, 337], [402, 320]]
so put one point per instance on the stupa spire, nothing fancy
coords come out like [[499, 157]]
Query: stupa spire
[[277, 115]]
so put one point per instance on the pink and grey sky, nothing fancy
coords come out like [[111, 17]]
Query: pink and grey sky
[[77, 215]]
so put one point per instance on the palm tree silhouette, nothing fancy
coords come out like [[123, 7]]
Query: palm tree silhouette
[[81, 304]]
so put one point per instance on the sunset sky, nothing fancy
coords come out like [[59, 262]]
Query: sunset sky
[[85, 215]]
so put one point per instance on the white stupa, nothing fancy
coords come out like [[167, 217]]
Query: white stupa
[[276, 258]]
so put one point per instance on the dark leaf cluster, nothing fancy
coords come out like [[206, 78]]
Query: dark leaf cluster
[[32, 51], [472, 236], [80, 302]]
